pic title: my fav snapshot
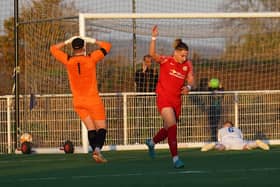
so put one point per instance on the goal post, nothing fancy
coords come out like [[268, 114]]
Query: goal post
[[221, 33], [210, 15]]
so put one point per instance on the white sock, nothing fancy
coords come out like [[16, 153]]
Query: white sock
[[152, 143], [97, 149], [175, 158]]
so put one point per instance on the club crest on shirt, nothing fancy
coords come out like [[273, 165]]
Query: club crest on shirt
[[185, 68]]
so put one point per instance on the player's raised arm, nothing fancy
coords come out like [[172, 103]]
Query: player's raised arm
[[58, 45], [58, 53], [66, 42], [152, 51], [104, 49]]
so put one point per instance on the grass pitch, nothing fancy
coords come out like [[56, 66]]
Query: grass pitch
[[134, 168]]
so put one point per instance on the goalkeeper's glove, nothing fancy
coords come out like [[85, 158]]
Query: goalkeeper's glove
[[89, 40], [70, 39]]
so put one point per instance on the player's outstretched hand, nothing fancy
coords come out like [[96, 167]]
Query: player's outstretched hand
[[155, 31], [70, 39]]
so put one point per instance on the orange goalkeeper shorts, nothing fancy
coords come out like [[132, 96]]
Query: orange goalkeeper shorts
[[96, 111]]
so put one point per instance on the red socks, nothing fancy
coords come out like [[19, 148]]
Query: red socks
[[172, 140], [171, 133], [160, 136]]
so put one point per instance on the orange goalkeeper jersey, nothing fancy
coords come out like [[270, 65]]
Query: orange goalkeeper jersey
[[82, 72]]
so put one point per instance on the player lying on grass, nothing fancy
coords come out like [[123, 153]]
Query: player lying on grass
[[81, 70], [231, 138]]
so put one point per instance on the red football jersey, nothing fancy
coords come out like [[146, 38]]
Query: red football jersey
[[172, 76]]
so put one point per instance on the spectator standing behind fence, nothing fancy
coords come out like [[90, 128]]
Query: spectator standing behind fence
[[215, 106], [146, 77], [175, 71], [87, 103]]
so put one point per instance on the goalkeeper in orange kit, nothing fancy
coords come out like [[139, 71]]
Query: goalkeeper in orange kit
[[87, 103]]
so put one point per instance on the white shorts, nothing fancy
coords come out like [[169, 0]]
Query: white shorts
[[234, 144]]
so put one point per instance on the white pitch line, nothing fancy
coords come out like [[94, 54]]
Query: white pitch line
[[31, 160], [188, 172], [132, 158], [106, 175], [40, 179], [150, 174]]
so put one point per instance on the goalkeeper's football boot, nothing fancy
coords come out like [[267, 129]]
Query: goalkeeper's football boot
[[208, 147], [262, 145], [151, 147], [98, 157], [178, 164]]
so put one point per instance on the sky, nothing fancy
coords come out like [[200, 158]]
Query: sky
[[142, 6], [125, 6], [151, 5], [6, 10]]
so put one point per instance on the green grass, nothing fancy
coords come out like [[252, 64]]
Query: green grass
[[134, 168]]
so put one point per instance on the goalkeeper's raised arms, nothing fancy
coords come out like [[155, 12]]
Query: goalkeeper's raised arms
[[70, 40], [89, 40], [86, 39]]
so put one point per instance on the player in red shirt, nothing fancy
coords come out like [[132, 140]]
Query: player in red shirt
[[175, 72], [87, 103]]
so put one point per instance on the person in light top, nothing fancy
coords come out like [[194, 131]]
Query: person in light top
[[231, 138]]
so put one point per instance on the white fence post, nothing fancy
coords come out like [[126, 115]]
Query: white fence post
[[125, 118], [236, 109], [9, 103], [84, 138]]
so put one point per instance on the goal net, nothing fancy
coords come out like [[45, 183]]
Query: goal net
[[240, 49]]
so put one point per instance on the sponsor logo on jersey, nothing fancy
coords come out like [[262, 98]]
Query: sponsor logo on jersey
[[174, 73]]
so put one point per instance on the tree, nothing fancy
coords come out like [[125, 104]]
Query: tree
[[37, 28], [252, 6], [7, 57], [253, 38]]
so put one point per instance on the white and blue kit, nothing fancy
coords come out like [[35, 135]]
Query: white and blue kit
[[231, 138]]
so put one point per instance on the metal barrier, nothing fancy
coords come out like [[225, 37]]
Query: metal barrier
[[133, 117]]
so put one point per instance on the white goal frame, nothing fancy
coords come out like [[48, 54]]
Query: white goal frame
[[198, 15]]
